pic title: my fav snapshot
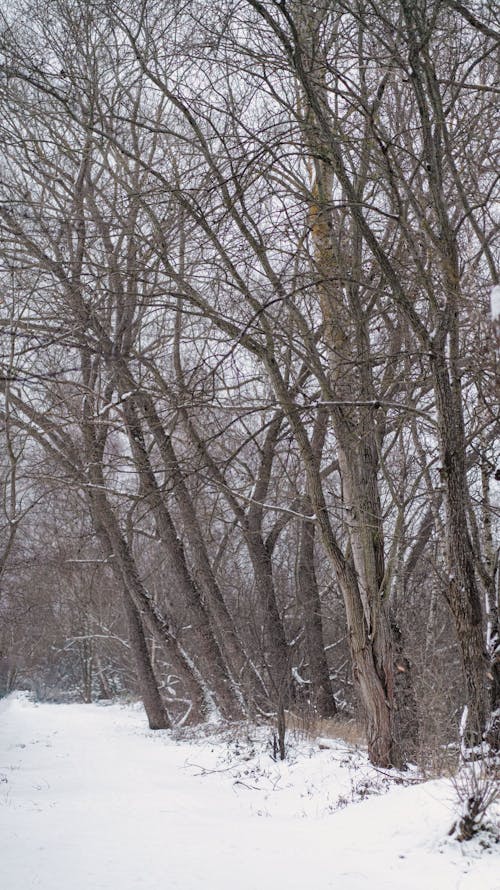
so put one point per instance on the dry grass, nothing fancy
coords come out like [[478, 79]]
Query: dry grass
[[346, 729]]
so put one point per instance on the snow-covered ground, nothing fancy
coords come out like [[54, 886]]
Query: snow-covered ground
[[90, 799]]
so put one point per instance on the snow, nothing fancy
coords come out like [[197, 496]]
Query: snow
[[495, 302], [90, 798]]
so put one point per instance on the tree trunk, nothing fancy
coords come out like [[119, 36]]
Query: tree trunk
[[492, 607], [148, 687], [462, 594], [405, 720], [125, 571], [87, 657], [245, 675], [276, 656], [368, 627], [207, 654], [308, 595]]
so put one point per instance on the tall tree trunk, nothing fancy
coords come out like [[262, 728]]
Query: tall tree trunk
[[206, 652], [125, 570], [493, 606], [87, 666], [308, 596], [405, 720], [241, 667], [462, 593], [354, 423], [126, 573], [148, 686], [276, 656], [368, 627], [364, 527]]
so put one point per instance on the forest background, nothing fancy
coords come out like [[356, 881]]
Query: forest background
[[249, 374]]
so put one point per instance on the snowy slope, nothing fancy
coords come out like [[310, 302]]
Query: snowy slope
[[91, 800]]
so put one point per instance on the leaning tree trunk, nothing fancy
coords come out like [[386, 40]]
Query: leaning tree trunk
[[246, 676], [126, 573], [125, 570], [207, 653], [148, 686]]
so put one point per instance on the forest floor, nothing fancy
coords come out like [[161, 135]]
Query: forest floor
[[90, 798]]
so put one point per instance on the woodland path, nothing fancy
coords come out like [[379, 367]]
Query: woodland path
[[89, 798]]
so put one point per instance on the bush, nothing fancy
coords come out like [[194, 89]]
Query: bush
[[477, 786]]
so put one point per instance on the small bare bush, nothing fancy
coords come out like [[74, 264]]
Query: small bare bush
[[477, 786]]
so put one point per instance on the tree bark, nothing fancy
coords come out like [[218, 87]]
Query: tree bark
[[148, 686], [276, 656], [462, 593], [308, 596], [206, 649], [246, 677]]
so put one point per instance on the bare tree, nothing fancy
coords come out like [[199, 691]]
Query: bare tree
[[247, 259]]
